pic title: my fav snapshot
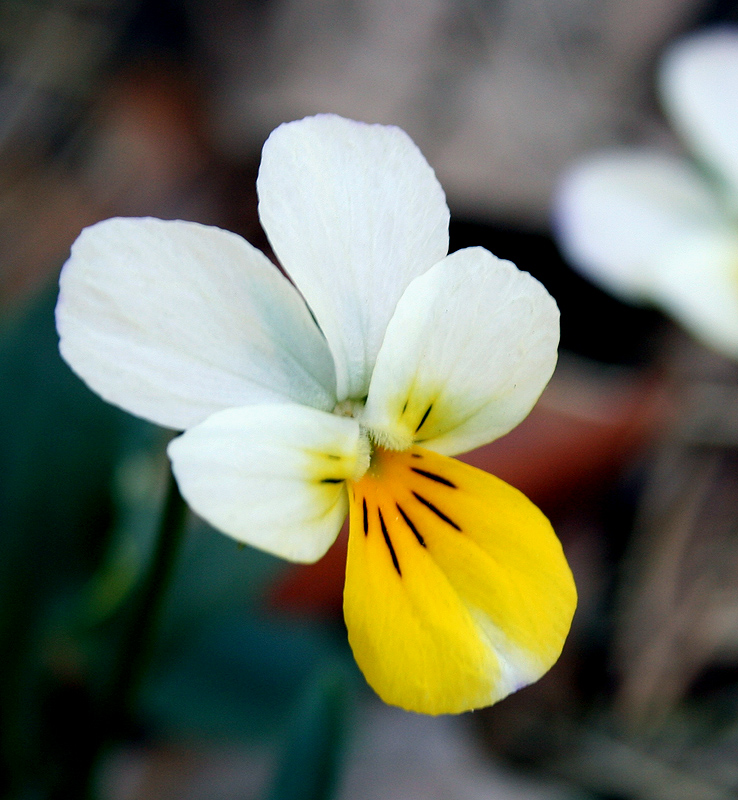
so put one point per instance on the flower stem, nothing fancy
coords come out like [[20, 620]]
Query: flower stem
[[139, 643], [136, 648]]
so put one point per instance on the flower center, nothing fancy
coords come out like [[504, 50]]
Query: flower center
[[349, 408], [373, 440]]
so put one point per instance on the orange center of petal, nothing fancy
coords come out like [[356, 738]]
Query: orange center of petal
[[396, 493]]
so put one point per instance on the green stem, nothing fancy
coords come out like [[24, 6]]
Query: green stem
[[139, 644], [136, 650]]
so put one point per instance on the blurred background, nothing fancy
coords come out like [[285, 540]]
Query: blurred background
[[160, 108]]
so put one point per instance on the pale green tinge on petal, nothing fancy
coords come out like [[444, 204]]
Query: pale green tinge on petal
[[618, 212], [699, 90], [272, 476], [469, 350], [697, 283], [174, 321], [354, 213]]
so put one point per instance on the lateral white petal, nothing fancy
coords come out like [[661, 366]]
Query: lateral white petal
[[697, 283], [173, 321], [467, 353], [354, 213], [617, 212], [699, 89], [271, 476]]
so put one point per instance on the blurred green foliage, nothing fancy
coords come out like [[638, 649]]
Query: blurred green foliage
[[309, 766], [59, 448], [81, 489]]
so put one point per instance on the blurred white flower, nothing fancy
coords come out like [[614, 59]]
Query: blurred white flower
[[652, 227], [457, 591]]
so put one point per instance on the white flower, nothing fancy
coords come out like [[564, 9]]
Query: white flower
[[649, 226], [457, 591]]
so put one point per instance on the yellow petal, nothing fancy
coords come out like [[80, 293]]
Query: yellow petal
[[457, 590]]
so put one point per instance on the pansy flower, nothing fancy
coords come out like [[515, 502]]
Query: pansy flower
[[652, 227], [346, 391]]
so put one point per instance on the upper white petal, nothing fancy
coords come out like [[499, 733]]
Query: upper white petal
[[474, 340], [697, 283], [354, 213], [618, 212], [271, 476], [173, 321], [699, 89]]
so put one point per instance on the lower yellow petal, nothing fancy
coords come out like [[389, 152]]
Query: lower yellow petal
[[457, 590]]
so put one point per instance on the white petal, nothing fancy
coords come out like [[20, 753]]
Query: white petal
[[173, 321], [354, 213], [474, 340], [271, 476], [698, 285], [618, 212], [699, 88]]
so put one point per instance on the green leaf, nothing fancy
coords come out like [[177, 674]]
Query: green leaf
[[310, 763], [59, 444], [237, 677]]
